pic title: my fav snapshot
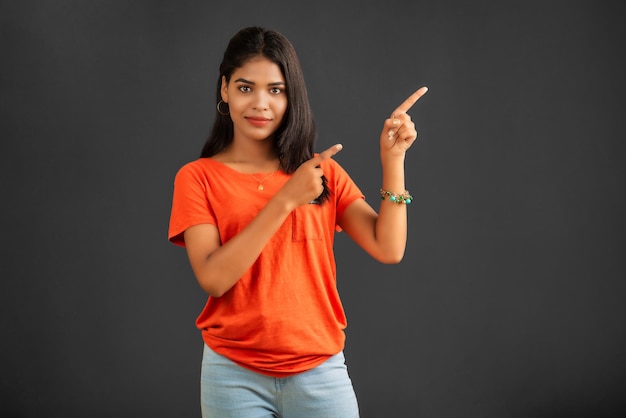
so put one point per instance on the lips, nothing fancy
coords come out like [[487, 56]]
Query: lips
[[258, 120]]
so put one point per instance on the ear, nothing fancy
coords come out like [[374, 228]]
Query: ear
[[224, 90]]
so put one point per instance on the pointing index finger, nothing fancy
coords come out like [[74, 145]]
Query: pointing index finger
[[409, 102], [331, 151], [328, 153]]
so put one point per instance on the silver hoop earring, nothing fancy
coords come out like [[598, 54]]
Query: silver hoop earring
[[220, 110]]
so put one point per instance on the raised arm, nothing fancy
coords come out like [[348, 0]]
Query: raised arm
[[383, 234]]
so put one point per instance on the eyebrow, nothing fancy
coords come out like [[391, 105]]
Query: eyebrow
[[243, 80]]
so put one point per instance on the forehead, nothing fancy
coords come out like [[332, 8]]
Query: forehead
[[259, 69]]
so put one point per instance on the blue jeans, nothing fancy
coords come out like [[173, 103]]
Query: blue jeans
[[229, 390]]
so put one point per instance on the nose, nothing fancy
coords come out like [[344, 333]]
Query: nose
[[261, 101]]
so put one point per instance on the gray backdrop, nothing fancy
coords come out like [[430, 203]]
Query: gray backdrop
[[510, 300]]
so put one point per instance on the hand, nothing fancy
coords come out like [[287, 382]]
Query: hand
[[399, 132], [305, 184]]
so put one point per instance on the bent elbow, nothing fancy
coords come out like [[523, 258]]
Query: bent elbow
[[213, 289], [391, 257], [214, 293], [394, 259]]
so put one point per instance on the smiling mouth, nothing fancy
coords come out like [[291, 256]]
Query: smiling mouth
[[258, 121]]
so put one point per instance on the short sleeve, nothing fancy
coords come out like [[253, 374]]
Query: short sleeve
[[345, 189], [190, 203]]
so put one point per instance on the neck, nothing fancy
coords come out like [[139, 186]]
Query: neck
[[257, 152], [243, 160]]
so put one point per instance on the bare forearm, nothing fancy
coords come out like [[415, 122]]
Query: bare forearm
[[383, 234], [222, 268], [391, 224]]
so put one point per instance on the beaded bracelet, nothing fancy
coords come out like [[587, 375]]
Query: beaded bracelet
[[405, 197]]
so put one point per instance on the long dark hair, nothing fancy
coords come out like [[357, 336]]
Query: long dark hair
[[294, 140]]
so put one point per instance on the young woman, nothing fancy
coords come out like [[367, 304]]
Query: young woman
[[257, 213]]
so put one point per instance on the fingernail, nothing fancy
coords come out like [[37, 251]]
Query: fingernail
[[339, 146]]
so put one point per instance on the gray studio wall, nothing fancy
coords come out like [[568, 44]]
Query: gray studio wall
[[510, 301]]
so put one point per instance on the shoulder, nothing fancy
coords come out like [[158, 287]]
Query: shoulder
[[332, 168], [195, 165], [329, 163], [196, 168]]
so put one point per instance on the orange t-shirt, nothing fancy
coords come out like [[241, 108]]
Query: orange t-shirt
[[284, 315]]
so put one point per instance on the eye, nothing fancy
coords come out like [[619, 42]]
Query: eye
[[244, 88], [276, 90]]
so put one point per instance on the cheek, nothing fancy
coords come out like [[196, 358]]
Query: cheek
[[282, 108], [235, 107]]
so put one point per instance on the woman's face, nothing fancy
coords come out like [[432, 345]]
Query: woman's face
[[257, 99]]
